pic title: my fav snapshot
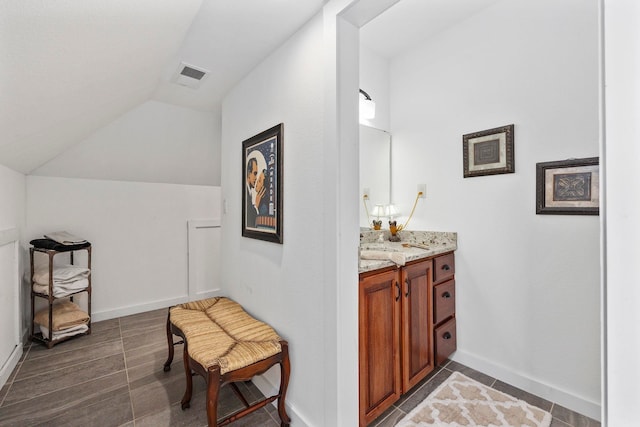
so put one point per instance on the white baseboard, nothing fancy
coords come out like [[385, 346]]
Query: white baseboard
[[564, 398], [206, 294], [268, 389], [97, 316], [9, 365]]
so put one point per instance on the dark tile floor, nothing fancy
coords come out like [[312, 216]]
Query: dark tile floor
[[562, 417], [114, 377]]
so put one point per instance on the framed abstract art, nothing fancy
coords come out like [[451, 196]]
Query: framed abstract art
[[488, 152], [568, 187]]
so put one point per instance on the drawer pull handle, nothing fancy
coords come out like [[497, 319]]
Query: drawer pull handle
[[408, 287], [446, 336], [446, 295], [399, 292], [446, 267]]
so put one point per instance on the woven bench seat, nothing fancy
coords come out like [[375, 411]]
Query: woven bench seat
[[224, 344]]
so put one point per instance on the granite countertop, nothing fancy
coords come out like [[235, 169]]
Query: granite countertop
[[427, 244]]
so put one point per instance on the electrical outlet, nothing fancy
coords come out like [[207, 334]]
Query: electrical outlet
[[365, 193], [422, 188]]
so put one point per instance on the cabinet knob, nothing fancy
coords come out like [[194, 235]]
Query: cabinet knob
[[446, 295], [446, 336], [446, 267]]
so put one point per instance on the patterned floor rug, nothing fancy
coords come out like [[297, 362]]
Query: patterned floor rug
[[461, 401]]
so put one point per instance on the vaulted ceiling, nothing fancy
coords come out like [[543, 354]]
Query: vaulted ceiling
[[69, 67]]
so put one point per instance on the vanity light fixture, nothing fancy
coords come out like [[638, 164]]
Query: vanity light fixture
[[367, 106]]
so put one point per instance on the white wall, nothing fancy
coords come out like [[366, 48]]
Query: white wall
[[283, 284], [528, 285], [138, 233], [12, 224], [374, 79], [622, 154], [154, 142], [12, 198]]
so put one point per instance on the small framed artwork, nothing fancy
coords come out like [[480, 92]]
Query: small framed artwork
[[488, 152], [568, 187], [262, 185]]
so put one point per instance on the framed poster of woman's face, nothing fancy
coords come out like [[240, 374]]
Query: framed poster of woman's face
[[262, 185]]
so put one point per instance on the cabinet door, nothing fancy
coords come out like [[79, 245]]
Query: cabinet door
[[417, 323], [379, 336]]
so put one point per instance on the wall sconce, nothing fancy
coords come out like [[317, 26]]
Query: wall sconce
[[367, 106]]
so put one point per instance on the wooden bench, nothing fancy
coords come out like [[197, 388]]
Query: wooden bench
[[225, 345]]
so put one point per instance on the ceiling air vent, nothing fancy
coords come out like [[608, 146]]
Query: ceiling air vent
[[190, 76]]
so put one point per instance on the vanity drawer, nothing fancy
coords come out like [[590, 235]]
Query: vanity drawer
[[445, 340], [444, 301], [444, 267]]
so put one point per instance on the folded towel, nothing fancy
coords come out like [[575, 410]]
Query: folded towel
[[52, 244], [75, 330], [65, 315], [65, 238], [396, 257], [61, 274], [62, 289]]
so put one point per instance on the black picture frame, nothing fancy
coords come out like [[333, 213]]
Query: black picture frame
[[262, 156], [488, 152], [568, 187]]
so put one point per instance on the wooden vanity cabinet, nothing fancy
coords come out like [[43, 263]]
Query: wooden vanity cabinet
[[379, 314], [417, 347], [395, 335]]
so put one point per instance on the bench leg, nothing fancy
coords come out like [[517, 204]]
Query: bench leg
[[285, 370], [186, 399], [213, 389], [167, 364]]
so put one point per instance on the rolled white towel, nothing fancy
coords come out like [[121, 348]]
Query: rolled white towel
[[61, 274], [396, 257]]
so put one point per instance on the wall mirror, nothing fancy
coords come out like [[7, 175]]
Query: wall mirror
[[375, 169]]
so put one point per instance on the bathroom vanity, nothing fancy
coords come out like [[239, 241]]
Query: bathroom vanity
[[406, 315]]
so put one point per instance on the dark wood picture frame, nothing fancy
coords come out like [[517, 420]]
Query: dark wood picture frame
[[568, 187], [262, 191], [488, 152]]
